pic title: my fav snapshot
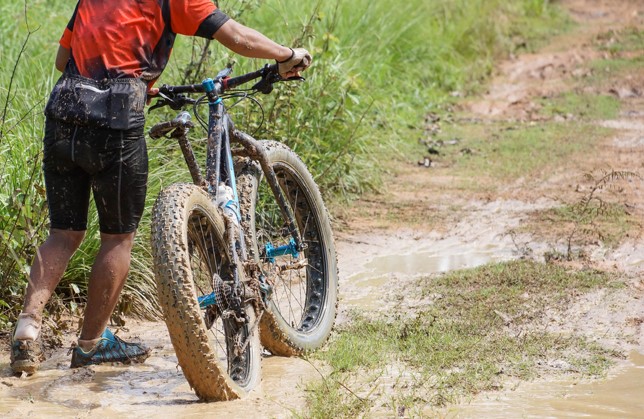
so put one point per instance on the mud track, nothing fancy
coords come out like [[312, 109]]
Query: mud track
[[374, 253]]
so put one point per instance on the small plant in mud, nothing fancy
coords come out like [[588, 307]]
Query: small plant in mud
[[594, 217]]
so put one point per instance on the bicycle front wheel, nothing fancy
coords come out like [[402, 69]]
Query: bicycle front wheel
[[216, 341], [302, 303]]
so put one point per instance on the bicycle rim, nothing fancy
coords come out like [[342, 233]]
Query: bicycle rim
[[302, 304]]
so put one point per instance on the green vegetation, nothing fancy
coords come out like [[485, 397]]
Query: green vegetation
[[616, 42], [598, 215], [482, 157], [608, 224], [582, 106], [626, 55], [480, 328], [612, 68], [377, 71]]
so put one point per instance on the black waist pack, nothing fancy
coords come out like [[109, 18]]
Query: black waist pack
[[111, 103]]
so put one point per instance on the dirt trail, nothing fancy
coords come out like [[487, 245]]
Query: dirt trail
[[379, 256], [423, 223], [522, 81]]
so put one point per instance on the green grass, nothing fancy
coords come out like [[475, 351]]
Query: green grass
[[616, 42], [487, 156], [377, 71], [598, 215], [613, 68], [626, 56], [483, 326], [610, 224], [582, 106]]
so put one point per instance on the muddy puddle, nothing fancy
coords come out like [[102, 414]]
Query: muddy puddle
[[381, 272], [155, 388], [620, 395], [376, 266]]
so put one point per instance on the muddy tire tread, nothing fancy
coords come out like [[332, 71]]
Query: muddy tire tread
[[272, 335], [208, 378]]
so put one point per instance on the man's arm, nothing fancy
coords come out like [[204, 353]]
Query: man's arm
[[62, 56], [251, 43]]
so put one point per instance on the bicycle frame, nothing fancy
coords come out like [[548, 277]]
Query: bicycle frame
[[220, 168]]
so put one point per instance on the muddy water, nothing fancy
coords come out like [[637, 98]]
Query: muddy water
[[376, 265], [155, 388], [619, 396], [381, 271]]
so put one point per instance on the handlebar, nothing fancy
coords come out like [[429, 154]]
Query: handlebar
[[174, 96]]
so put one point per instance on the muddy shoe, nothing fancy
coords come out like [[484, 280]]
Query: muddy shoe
[[26, 356], [110, 348]]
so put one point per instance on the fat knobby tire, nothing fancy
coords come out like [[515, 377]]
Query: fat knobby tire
[[206, 374], [277, 335]]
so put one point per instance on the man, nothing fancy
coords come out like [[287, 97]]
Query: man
[[115, 48]]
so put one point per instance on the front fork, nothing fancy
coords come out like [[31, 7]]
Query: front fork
[[255, 150]]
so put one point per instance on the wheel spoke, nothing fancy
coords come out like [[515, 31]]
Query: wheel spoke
[[206, 263], [291, 288]]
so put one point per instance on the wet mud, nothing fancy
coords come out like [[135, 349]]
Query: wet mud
[[156, 387], [618, 396], [375, 265]]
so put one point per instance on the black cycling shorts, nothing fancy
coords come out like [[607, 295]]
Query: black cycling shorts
[[113, 164]]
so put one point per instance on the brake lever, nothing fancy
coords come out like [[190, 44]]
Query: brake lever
[[265, 85], [160, 103], [175, 103]]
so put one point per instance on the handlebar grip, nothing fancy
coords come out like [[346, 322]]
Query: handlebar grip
[[189, 88]]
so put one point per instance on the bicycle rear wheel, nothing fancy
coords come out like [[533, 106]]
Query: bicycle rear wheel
[[217, 346], [303, 303]]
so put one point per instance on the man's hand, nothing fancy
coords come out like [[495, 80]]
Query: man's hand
[[152, 92], [299, 61]]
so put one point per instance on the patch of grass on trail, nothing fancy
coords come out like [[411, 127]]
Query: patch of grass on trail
[[626, 56], [481, 328], [600, 213], [615, 42], [488, 156], [611, 224], [615, 68], [582, 106]]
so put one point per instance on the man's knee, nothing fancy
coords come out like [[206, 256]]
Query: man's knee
[[124, 241], [69, 239]]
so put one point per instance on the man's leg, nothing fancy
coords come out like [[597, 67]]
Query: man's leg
[[119, 193], [105, 284], [46, 271]]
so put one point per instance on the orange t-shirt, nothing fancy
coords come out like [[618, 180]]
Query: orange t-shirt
[[134, 38]]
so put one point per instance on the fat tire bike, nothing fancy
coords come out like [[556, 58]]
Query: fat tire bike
[[244, 255]]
